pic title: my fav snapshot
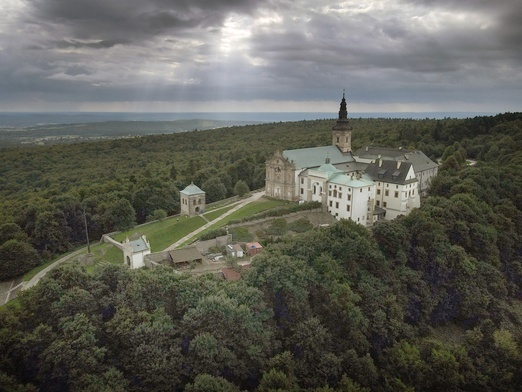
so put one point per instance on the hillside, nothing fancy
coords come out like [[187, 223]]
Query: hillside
[[431, 301]]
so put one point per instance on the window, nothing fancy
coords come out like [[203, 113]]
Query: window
[[302, 180], [386, 192], [396, 194], [329, 193], [330, 203], [378, 191], [360, 190], [340, 195], [335, 193], [349, 197], [348, 208], [336, 204], [302, 191], [378, 203], [384, 204]]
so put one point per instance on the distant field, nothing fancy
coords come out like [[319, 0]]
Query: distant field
[[91, 131]]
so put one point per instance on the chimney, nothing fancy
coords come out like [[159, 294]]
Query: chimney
[[327, 160], [380, 162], [366, 148]]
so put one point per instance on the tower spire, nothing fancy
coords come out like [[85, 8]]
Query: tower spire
[[342, 130], [343, 122]]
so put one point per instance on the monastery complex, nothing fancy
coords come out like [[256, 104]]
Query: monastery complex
[[367, 185]]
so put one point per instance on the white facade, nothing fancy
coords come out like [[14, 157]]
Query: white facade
[[135, 251], [396, 197], [352, 197], [370, 184]]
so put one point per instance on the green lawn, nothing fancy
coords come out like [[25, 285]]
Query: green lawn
[[164, 233], [246, 211], [254, 208], [218, 212]]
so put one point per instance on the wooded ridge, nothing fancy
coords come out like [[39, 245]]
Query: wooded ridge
[[431, 301]]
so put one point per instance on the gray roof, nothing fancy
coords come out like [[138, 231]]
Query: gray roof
[[386, 171], [192, 190], [158, 257], [316, 156], [184, 255], [352, 166], [352, 181], [139, 245], [419, 160]]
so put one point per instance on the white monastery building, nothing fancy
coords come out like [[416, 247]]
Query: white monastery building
[[371, 184]]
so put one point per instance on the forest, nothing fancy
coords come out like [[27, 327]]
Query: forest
[[428, 302]]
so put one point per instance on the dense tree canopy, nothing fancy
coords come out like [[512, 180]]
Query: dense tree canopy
[[430, 301]]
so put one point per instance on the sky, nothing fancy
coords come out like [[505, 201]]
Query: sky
[[260, 55]]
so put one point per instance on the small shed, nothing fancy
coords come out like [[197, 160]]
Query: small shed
[[184, 256], [134, 252], [253, 248], [235, 250]]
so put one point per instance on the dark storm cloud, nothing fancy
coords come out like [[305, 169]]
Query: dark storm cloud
[[169, 50], [133, 19]]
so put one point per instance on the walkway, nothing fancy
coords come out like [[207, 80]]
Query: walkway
[[12, 287], [42, 273], [242, 203]]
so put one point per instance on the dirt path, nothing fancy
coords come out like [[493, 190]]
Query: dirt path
[[253, 197], [9, 289]]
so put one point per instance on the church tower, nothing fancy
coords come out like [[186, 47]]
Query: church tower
[[342, 131]]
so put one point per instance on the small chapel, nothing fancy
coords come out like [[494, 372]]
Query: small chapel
[[367, 185], [192, 200]]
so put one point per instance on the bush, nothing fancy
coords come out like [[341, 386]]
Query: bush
[[241, 234], [241, 188], [17, 258], [277, 227], [209, 235], [300, 225], [294, 207]]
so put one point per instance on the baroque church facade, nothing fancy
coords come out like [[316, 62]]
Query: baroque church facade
[[370, 184]]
